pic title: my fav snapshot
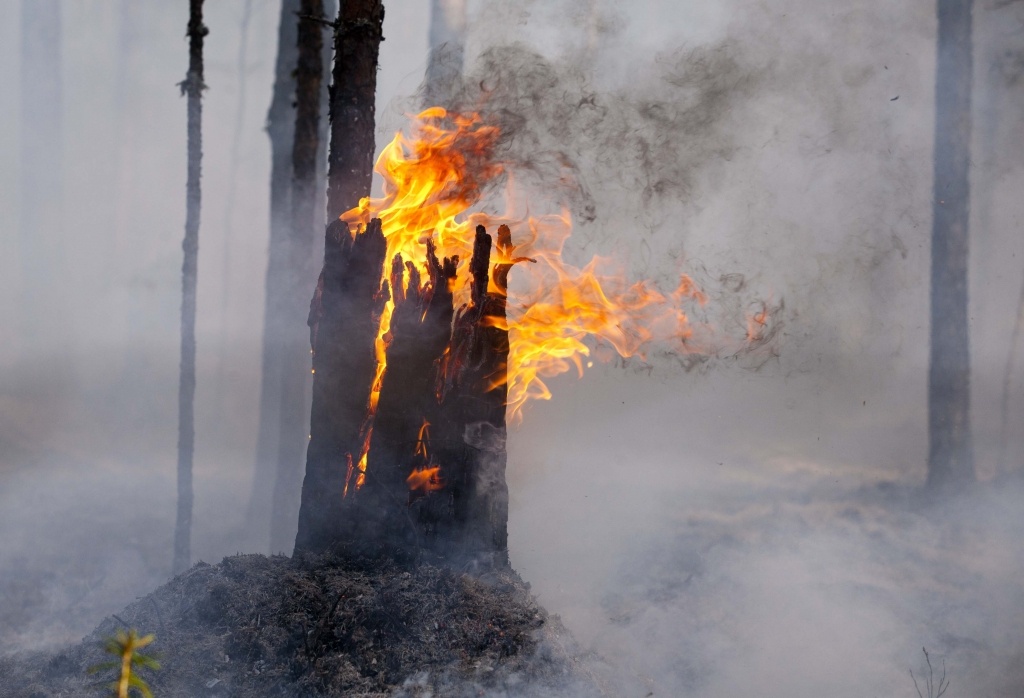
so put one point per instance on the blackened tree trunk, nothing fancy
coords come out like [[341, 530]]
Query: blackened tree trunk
[[434, 480], [281, 131], [353, 91], [40, 170], [330, 10], [447, 51], [193, 87], [300, 278], [950, 457], [407, 410], [345, 312], [343, 318]]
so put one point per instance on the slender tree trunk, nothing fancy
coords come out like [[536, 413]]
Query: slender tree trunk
[[281, 130], [950, 457], [301, 273], [353, 94], [193, 87], [40, 171], [324, 128], [447, 51], [346, 307]]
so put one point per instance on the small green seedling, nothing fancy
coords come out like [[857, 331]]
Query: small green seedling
[[125, 646]]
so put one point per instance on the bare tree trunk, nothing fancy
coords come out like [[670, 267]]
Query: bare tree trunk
[[346, 308], [193, 87], [301, 272], [330, 10], [950, 457], [447, 51], [281, 130], [353, 92], [40, 171]]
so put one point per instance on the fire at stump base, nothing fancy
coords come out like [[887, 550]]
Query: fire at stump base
[[407, 443]]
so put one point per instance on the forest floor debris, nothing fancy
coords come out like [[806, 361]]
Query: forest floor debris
[[329, 626]]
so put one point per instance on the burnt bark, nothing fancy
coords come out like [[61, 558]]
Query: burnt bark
[[950, 457], [343, 318], [471, 429], [295, 360], [281, 132], [357, 38], [193, 87], [347, 304], [420, 331], [434, 374], [330, 9], [441, 420]]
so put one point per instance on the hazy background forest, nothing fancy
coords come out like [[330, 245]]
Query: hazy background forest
[[724, 527]]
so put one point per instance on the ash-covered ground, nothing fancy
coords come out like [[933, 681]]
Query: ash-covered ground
[[327, 626]]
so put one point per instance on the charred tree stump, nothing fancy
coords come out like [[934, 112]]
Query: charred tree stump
[[407, 435], [420, 330], [471, 385], [433, 480]]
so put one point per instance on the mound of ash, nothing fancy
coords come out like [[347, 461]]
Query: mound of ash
[[328, 626]]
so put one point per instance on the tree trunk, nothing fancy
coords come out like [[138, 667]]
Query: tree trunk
[[950, 458], [420, 329], [346, 308], [447, 51], [430, 420], [472, 392], [434, 479], [353, 91], [320, 206], [40, 172], [192, 86], [295, 355], [281, 131], [343, 318]]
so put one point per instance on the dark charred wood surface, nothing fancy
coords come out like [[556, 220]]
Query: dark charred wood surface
[[444, 368], [357, 40], [470, 430], [420, 332], [344, 319]]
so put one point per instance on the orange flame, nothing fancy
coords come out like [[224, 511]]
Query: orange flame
[[423, 439], [426, 479], [556, 312]]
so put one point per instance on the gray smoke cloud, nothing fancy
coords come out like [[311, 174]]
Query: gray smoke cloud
[[707, 532]]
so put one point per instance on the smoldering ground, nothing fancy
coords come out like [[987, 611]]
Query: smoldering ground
[[707, 532]]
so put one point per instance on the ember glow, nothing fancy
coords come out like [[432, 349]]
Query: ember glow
[[557, 314], [426, 479]]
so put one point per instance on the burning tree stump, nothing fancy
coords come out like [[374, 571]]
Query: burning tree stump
[[472, 391], [425, 472]]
